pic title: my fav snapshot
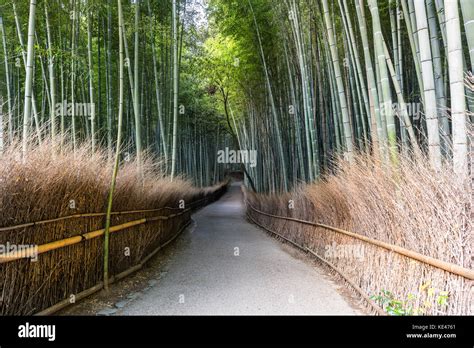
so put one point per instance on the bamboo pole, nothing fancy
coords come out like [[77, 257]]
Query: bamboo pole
[[136, 100], [29, 76], [73, 75], [175, 93], [429, 90], [52, 82], [457, 88], [413, 46], [438, 75], [7, 81], [117, 151], [91, 81]]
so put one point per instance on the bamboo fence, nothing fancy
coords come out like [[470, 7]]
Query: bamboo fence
[[63, 257]]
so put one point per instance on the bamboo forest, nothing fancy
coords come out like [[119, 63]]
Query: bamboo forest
[[236, 157]]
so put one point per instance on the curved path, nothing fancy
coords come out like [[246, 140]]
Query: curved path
[[224, 266]]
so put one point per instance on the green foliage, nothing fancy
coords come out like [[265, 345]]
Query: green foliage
[[415, 303]]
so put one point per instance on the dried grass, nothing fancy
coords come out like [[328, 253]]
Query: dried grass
[[412, 206]]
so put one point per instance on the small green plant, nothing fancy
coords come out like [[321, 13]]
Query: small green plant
[[389, 303], [419, 303]]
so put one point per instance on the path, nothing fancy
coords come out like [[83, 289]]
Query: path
[[227, 266]]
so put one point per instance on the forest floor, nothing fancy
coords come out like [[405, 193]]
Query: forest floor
[[223, 265]]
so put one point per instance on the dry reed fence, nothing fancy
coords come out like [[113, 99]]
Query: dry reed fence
[[46, 187], [413, 207]]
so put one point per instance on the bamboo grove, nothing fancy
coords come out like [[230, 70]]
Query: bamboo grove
[[299, 81], [333, 78], [60, 81]]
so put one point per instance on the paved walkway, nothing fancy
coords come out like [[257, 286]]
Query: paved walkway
[[227, 266]]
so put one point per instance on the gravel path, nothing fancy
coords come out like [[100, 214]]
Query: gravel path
[[227, 266]]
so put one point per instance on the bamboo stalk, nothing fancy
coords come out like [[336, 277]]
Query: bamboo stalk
[[175, 93], [7, 81], [456, 81], [429, 91], [113, 180], [91, 82], [29, 75]]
